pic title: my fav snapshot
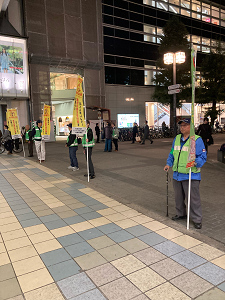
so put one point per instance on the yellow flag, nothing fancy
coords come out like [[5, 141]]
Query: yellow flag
[[46, 127], [79, 126], [13, 122]]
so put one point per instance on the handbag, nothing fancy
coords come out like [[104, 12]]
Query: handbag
[[211, 141], [138, 138]]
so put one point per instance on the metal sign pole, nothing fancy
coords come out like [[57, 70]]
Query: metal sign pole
[[85, 113], [189, 199], [167, 198]]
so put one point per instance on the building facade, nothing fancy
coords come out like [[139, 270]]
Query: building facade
[[64, 39], [132, 31]]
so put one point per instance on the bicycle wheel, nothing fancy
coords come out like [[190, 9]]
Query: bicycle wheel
[[2, 148], [17, 146]]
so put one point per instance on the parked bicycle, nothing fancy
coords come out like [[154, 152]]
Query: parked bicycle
[[17, 146]]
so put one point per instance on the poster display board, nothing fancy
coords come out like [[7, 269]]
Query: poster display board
[[13, 122], [13, 67], [79, 126], [46, 127]]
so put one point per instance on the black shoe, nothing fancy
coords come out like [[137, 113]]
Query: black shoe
[[151, 142], [93, 176], [198, 225], [85, 175], [176, 218], [142, 143]]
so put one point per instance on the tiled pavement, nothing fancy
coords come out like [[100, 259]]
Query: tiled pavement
[[62, 240]]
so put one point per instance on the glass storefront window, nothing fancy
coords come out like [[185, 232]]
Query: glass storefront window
[[150, 38], [205, 41], [215, 21], [162, 5], [149, 2], [185, 12], [196, 39], [176, 2], [149, 74], [62, 81], [205, 9], [205, 49], [159, 31], [174, 9], [206, 18], [185, 4], [150, 29], [196, 16], [215, 12]]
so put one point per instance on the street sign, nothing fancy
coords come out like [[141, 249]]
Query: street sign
[[177, 91], [174, 87]]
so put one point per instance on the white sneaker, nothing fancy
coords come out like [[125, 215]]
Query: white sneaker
[[75, 169], [70, 167]]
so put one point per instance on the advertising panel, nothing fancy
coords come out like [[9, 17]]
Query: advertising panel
[[13, 122], [127, 120], [46, 127], [79, 126], [13, 67]]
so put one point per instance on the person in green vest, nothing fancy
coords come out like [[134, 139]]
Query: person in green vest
[[178, 159], [29, 140], [88, 143], [39, 143], [115, 136], [72, 143]]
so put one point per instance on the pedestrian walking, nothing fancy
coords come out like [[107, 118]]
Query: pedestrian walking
[[108, 138], [7, 139], [115, 136], [88, 143], [72, 143], [146, 134], [177, 160], [97, 131], [205, 131], [39, 143], [135, 133], [29, 139]]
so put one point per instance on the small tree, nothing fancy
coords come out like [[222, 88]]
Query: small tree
[[212, 89], [174, 39]]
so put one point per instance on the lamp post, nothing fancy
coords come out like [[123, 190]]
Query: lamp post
[[174, 58]]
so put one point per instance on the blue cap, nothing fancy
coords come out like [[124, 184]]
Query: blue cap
[[186, 120], [70, 125]]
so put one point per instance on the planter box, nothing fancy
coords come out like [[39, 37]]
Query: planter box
[[221, 156]]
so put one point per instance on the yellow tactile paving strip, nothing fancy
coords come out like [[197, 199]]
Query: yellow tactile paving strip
[[21, 247]]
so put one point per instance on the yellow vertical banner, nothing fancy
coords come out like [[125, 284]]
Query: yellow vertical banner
[[79, 126], [46, 127], [13, 122]]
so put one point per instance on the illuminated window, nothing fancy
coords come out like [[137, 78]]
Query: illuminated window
[[149, 74], [185, 12], [162, 5], [205, 41], [176, 2], [149, 2], [185, 4], [215, 12], [174, 9]]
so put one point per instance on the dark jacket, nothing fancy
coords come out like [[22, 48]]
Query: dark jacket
[[135, 130], [146, 130], [97, 130], [6, 135], [90, 135], [205, 131], [108, 132], [72, 138]]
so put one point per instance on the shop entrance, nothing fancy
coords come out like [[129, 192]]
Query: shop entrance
[[63, 89], [157, 113]]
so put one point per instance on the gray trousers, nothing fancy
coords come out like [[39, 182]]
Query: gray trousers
[[181, 192]]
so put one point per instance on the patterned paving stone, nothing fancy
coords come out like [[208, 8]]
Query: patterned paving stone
[[70, 239], [79, 249], [138, 230], [55, 257], [90, 260], [188, 259], [191, 284], [9, 288], [55, 224], [6, 272], [149, 256], [49, 292], [64, 269], [27, 216], [168, 268], [120, 289], [214, 294], [120, 236], [31, 222], [211, 273], [169, 248], [152, 239], [49, 218], [109, 228], [74, 220], [83, 210], [91, 215], [222, 286], [93, 295], [90, 233], [75, 285], [104, 274]]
